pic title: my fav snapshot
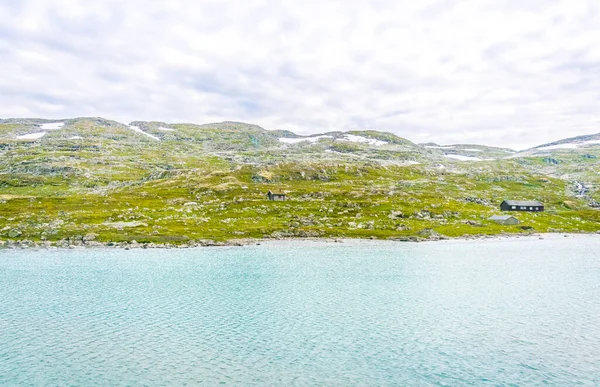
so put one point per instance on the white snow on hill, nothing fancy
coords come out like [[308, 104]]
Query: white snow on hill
[[362, 140], [569, 145], [314, 139], [166, 129], [38, 135], [463, 158], [591, 142], [439, 147], [472, 150], [52, 125], [75, 138], [137, 129], [347, 137], [32, 136], [559, 146]]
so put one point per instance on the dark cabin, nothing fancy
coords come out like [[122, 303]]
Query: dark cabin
[[279, 197], [521, 205]]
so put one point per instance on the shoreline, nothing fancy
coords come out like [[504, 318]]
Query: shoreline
[[68, 245]]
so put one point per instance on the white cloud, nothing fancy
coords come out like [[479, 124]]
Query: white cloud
[[507, 73]]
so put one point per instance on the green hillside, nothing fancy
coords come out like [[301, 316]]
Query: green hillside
[[98, 180]]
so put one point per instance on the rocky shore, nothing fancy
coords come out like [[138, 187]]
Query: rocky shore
[[83, 243], [73, 244]]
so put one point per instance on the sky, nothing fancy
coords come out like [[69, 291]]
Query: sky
[[513, 73]]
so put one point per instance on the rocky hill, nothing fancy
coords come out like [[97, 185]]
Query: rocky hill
[[82, 180]]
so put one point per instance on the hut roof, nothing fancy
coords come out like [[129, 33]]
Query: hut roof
[[528, 203], [500, 217]]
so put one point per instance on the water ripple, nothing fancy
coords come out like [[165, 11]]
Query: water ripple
[[486, 313]]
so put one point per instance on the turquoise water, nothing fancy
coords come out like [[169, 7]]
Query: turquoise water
[[498, 313]]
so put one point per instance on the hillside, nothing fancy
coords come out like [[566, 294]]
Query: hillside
[[470, 152], [92, 179]]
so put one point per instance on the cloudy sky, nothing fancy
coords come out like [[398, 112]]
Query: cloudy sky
[[500, 72]]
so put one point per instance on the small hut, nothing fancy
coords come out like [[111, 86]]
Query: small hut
[[278, 197], [521, 205], [504, 219]]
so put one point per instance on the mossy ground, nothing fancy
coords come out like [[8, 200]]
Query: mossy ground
[[220, 202], [203, 182]]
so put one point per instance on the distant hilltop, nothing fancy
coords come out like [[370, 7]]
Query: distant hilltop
[[239, 136]]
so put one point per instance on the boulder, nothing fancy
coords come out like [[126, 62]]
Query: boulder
[[14, 233], [90, 237]]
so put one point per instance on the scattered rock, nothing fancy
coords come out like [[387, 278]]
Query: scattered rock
[[122, 225], [431, 234], [396, 215], [476, 200], [423, 214], [550, 160], [14, 233], [90, 237], [473, 223]]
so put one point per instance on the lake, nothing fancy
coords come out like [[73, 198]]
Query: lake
[[510, 312]]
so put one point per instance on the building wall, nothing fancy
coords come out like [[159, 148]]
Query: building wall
[[506, 207]]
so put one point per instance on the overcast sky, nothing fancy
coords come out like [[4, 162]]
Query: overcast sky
[[500, 72]]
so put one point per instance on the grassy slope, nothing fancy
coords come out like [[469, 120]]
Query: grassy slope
[[208, 182]]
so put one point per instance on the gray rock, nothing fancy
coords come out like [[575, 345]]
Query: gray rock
[[90, 237], [14, 233]]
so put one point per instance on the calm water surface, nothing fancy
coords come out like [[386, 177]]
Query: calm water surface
[[499, 313]]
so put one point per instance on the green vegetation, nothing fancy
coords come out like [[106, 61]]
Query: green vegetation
[[209, 182]]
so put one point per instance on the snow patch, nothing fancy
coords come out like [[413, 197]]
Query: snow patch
[[347, 137], [286, 140], [32, 136], [52, 125], [591, 142], [166, 129], [570, 145], [439, 147], [463, 158], [137, 129], [75, 138], [362, 140], [472, 150], [559, 146]]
